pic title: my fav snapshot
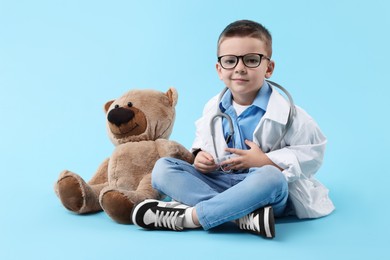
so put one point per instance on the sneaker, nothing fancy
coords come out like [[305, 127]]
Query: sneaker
[[260, 221], [155, 214]]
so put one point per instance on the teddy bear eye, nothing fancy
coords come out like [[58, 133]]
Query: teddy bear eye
[[129, 104], [116, 106]]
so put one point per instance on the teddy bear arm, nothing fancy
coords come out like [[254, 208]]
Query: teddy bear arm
[[167, 148]]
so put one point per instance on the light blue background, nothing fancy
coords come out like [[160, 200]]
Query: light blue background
[[60, 61]]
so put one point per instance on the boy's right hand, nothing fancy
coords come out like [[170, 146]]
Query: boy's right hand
[[204, 162]]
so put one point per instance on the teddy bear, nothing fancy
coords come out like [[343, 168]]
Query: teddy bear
[[139, 124]]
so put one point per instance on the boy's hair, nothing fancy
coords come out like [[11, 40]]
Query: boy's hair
[[247, 28]]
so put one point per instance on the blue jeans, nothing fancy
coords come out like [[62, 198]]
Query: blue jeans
[[219, 197]]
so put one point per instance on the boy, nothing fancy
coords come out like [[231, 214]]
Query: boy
[[262, 183]]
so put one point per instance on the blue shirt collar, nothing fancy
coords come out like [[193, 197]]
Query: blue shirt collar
[[261, 99]]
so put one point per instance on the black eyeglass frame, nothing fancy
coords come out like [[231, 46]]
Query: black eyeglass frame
[[243, 60]]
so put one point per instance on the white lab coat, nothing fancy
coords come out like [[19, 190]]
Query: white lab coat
[[300, 155]]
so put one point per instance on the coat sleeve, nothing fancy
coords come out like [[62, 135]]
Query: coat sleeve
[[303, 153]]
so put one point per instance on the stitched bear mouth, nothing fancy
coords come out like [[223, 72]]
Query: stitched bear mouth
[[126, 129]]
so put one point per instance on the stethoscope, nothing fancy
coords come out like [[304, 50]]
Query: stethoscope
[[220, 114]]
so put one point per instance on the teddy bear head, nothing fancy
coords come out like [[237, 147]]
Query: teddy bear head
[[141, 115]]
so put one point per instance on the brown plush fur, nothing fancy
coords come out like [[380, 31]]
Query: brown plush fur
[[139, 124]]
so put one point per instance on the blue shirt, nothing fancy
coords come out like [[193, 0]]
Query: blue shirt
[[244, 125]]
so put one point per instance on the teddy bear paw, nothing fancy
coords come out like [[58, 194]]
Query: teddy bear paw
[[75, 194], [117, 205]]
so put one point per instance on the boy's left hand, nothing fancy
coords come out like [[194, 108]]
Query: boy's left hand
[[254, 157]]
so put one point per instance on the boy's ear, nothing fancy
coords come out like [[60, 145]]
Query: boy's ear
[[270, 69], [219, 70]]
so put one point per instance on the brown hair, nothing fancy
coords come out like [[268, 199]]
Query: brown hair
[[247, 28]]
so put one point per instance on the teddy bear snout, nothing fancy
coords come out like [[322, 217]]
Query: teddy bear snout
[[120, 115]]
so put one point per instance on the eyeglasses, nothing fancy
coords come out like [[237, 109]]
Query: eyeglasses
[[250, 60]]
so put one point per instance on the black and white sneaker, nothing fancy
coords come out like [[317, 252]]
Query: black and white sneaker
[[260, 221], [155, 214]]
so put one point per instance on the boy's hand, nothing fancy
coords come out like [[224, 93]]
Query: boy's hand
[[254, 157], [204, 162]]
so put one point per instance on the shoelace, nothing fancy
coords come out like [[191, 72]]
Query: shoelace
[[167, 219], [248, 223]]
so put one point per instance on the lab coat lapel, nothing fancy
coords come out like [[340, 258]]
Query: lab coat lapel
[[278, 108]]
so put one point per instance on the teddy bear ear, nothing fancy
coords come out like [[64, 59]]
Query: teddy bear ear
[[172, 96], [107, 105]]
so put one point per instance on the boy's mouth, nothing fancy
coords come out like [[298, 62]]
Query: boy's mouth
[[240, 80]]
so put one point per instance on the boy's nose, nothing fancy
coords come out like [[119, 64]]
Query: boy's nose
[[240, 67]]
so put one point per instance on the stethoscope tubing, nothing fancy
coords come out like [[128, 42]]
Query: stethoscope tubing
[[220, 114]]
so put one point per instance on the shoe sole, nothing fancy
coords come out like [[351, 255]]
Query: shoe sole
[[269, 222]]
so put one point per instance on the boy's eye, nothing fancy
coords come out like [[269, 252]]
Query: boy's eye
[[229, 61], [252, 60]]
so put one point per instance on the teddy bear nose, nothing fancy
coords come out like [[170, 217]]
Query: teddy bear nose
[[120, 115]]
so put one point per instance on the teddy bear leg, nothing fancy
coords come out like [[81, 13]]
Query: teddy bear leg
[[117, 205], [76, 195]]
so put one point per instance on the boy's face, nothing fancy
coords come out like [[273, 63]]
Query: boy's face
[[242, 81]]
